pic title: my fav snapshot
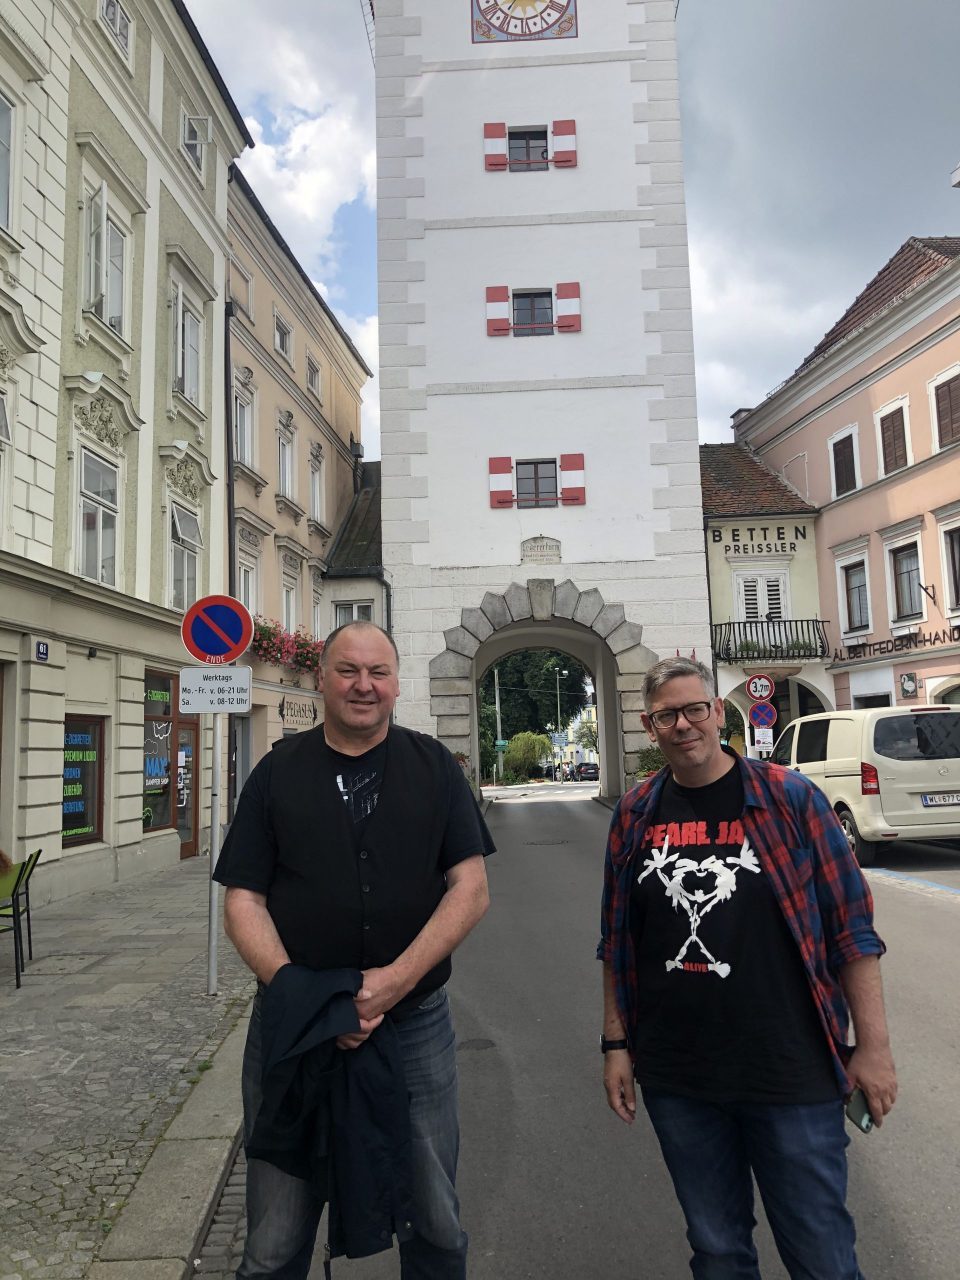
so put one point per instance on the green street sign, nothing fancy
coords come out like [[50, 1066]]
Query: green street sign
[[502, 744]]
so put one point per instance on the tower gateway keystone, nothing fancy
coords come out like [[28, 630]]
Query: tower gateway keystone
[[541, 485]]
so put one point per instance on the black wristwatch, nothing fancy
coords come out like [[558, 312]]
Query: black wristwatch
[[606, 1045]]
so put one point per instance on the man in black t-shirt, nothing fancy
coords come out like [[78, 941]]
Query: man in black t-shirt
[[737, 931], [360, 845]]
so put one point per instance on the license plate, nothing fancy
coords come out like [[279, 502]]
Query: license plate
[[940, 797]]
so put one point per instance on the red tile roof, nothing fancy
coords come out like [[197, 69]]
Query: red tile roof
[[914, 263], [736, 483]]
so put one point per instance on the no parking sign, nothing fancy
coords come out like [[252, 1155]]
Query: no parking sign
[[216, 630]]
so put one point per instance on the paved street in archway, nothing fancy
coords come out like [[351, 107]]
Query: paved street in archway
[[552, 1184]]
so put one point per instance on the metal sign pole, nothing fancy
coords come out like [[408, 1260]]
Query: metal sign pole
[[213, 924]]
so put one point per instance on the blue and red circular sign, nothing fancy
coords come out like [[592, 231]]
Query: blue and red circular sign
[[763, 715], [216, 630]]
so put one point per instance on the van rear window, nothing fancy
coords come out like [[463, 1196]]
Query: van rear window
[[925, 736]]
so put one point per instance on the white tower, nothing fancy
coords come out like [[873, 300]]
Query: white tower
[[540, 468]]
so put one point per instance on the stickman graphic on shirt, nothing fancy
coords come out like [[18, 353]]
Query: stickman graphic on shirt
[[698, 901]]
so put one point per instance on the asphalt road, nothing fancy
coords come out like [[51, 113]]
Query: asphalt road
[[553, 1185]]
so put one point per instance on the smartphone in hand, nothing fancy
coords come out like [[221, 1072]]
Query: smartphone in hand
[[858, 1113]]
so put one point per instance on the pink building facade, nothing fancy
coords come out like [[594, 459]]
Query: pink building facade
[[868, 432]]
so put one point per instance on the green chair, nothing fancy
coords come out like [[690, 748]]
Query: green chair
[[10, 882]]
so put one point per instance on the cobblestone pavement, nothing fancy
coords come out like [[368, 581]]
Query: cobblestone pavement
[[98, 1050]]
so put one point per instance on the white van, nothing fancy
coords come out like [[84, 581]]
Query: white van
[[891, 773]]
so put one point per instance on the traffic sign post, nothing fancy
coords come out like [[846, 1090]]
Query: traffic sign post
[[215, 631], [760, 688], [502, 744]]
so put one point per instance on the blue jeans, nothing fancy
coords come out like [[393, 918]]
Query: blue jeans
[[797, 1155], [283, 1213]]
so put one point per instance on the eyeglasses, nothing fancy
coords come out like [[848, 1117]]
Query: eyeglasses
[[693, 713]]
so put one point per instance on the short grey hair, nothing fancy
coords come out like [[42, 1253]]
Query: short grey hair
[[358, 624], [672, 669]]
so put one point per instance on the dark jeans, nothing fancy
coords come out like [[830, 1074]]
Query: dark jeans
[[283, 1213], [797, 1155]]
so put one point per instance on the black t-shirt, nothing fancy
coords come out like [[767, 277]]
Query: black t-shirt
[[725, 1012], [351, 851], [358, 780]]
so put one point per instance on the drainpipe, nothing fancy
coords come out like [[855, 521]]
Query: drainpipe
[[231, 537]]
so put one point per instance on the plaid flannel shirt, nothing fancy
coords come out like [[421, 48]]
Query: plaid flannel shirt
[[806, 858]]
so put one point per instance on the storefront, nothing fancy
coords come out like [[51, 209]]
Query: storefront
[[911, 670]]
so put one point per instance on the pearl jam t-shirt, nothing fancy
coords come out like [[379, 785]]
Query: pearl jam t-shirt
[[725, 1010]]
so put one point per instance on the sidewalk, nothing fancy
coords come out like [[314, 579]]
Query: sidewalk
[[119, 1082]]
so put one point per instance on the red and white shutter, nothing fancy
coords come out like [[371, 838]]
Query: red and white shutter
[[501, 482], [565, 144], [573, 492], [494, 147], [568, 307], [498, 310]]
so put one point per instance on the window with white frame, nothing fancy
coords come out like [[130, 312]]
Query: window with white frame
[[194, 136], [893, 436], [844, 462], [5, 434], [282, 336], [99, 508], [905, 577], [354, 611], [243, 429], [313, 376], [289, 609], [285, 452], [188, 319], [316, 492], [856, 601], [186, 542], [317, 618], [117, 21], [761, 597], [945, 407], [247, 583], [6, 161], [951, 548], [106, 258]]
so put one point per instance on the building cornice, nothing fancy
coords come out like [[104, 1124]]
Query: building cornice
[[43, 579]]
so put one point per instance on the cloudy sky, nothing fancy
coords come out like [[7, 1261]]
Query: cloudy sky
[[819, 135]]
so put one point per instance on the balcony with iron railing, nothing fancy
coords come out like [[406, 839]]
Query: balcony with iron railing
[[774, 640]]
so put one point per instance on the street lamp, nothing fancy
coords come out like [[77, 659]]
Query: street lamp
[[560, 673]]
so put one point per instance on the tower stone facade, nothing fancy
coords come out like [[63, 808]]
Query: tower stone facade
[[540, 468]]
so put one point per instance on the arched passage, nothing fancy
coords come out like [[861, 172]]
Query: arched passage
[[544, 614]]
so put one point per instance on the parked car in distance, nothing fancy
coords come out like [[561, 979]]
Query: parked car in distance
[[587, 772], [890, 773]]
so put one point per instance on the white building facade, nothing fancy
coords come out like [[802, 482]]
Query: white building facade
[[540, 466]]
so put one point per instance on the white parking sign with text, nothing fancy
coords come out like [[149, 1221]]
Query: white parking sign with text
[[225, 689]]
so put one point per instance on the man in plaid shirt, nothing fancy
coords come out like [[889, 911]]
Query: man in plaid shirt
[[737, 942]]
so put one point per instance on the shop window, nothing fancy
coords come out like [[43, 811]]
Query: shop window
[[82, 810]]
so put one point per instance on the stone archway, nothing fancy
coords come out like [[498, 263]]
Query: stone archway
[[545, 613]]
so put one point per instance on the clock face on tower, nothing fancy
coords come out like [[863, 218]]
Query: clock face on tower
[[523, 19]]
